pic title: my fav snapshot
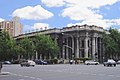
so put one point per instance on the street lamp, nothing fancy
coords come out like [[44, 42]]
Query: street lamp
[[68, 45], [96, 56]]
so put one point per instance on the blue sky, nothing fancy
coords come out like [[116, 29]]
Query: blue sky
[[38, 14]]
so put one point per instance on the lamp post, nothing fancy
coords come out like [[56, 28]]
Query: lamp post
[[68, 45], [96, 56]]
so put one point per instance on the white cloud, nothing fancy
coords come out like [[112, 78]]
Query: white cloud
[[77, 13], [53, 3], [86, 3], [113, 21], [40, 26], [1, 19], [35, 13], [85, 11], [102, 23]]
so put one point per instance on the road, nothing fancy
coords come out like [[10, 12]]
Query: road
[[61, 72]]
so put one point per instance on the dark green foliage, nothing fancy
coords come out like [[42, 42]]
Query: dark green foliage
[[111, 43], [27, 48], [7, 46], [46, 46]]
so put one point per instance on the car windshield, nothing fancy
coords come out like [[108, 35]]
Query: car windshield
[[110, 60]]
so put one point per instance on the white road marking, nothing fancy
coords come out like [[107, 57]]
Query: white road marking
[[19, 75], [94, 74], [26, 77], [32, 77], [111, 75], [21, 79], [39, 79]]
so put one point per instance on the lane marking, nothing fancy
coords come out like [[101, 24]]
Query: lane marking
[[26, 77], [21, 79]]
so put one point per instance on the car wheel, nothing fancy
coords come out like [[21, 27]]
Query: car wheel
[[96, 64], [114, 65], [27, 65], [110, 65], [88, 64], [33, 65]]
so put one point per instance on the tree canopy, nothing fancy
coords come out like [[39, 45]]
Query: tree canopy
[[26, 47], [7, 46], [112, 44], [46, 46]]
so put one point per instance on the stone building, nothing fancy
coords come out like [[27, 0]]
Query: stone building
[[80, 41]]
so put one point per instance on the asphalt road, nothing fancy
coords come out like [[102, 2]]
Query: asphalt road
[[61, 72]]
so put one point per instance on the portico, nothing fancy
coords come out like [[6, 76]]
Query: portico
[[82, 42]]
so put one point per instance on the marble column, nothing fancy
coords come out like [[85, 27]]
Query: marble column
[[63, 50], [86, 47], [80, 46], [73, 47], [100, 51], [93, 47], [96, 48], [67, 54], [77, 51], [96, 45]]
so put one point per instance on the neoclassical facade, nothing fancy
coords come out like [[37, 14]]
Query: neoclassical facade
[[79, 41]]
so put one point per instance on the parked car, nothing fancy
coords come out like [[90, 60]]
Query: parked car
[[27, 63], [110, 62], [91, 62], [6, 62], [41, 62], [71, 61], [118, 62]]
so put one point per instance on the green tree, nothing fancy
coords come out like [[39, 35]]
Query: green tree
[[115, 35], [7, 46], [53, 49], [26, 48], [45, 46], [111, 43]]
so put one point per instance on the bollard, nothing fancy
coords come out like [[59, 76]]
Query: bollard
[[0, 66]]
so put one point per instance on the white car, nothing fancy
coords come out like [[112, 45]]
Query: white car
[[27, 63], [118, 62], [110, 62], [91, 62]]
